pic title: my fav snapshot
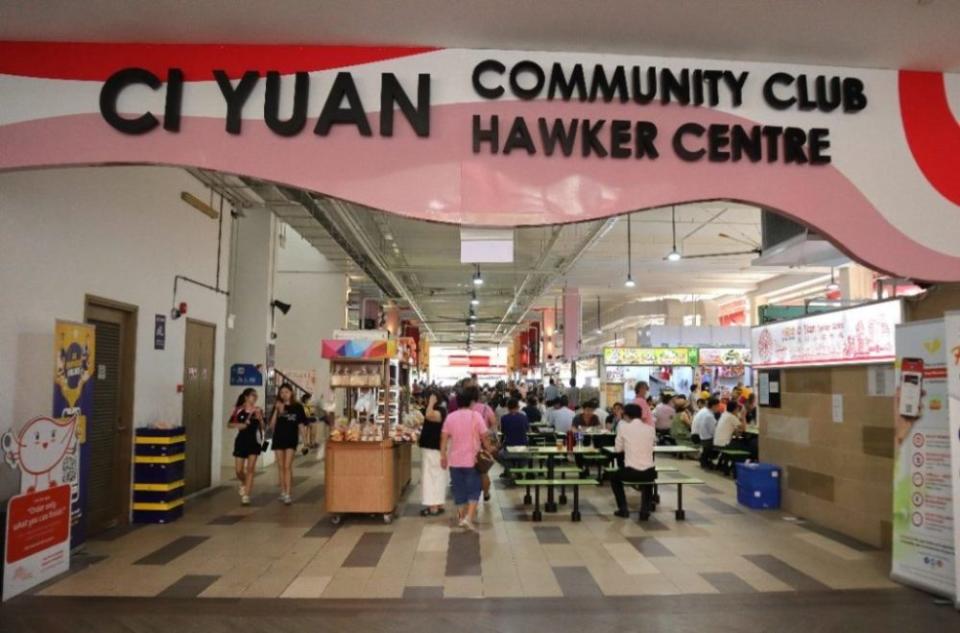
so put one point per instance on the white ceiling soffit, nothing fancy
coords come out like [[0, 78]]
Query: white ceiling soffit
[[486, 246], [919, 34]]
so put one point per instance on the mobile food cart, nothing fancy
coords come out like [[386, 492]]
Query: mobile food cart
[[368, 458]]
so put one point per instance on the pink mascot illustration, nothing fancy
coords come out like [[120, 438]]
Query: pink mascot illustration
[[39, 450]]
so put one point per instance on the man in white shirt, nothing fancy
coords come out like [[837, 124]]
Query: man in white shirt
[[635, 440], [560, 417], [729, 424], [703, 427]]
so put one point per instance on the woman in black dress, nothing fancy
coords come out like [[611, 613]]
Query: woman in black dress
[[247, 419], [285, 421]]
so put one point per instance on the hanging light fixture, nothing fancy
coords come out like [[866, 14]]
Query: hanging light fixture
[[674, 255], [473, 299], [477, 277], [833, 286], [629, 283], [599, 329]]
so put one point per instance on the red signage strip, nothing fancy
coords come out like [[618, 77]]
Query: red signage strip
[[94, 61]]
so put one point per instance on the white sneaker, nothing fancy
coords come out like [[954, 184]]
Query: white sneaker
[[467, 525], [286, 500], [243, 491], [245, 500]]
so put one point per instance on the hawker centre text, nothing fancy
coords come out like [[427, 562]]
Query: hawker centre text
[[492, 80]]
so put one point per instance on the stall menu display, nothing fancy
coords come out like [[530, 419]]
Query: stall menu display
[[650, 356], [863, 334], [726, 356]]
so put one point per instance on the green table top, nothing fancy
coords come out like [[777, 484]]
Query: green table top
[[752, 430], [550, 450], [557, 482], [667, 450]]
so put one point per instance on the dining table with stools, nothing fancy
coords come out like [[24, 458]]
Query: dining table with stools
[[550, 453]]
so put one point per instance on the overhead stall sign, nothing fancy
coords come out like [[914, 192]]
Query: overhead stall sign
[[865, 334], [508, 138], [650, 356]]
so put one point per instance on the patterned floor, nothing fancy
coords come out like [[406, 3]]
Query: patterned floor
[[222, 550]]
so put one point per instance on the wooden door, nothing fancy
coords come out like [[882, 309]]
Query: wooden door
[[110, 428], [198, 403]]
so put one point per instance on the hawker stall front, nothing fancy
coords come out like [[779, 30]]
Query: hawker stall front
[[663, 368], [724, 367], [368, 453]]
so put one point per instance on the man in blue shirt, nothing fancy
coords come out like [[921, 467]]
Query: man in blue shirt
[[514, 426]]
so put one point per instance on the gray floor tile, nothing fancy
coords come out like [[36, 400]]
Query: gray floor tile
[[171, 550], [725, 582], [189, 586], [652, 524], [720, 506], [368, 550], [649, 546], [577, 582], [550, 534], [118, 532], [422, 593], [311, 495], [227, 519], [843, 539], [463, 554], [323, 528], [786, 573]]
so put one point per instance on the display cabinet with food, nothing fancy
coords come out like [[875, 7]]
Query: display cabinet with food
[[367, 463]]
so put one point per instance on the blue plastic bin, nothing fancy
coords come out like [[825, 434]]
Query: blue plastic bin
[[758, 486]]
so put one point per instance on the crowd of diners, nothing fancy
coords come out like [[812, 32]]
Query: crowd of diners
[[469, 420]]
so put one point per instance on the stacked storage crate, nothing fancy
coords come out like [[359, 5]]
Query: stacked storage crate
[[758, 486], [158, 475]]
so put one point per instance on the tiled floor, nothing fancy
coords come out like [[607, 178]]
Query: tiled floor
[[222, 550]]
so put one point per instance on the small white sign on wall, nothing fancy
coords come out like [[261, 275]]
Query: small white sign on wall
[[837, 408]]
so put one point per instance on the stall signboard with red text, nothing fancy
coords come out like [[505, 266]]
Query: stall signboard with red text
[[864, 334]]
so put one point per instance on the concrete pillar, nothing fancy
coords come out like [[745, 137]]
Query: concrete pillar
[[674, 311], [630, 337], [856, 283], [571, 323], [549, 334], [248, 307]]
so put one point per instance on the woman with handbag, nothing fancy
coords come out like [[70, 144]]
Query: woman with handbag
[[466, 450], [247, 419]]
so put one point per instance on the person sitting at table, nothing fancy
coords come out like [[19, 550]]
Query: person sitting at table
[[587, 416], [532, 410], [614, 417], [641, 391], [514, 426], [703, 427], [583, 420], [663, 417], [560, 417], [680, 426], [731, 431], [636, 440]]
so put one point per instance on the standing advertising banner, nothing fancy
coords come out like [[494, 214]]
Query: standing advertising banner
[[923, 504], [952, 329], [74, 366]]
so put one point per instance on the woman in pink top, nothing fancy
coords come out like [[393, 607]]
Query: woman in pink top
[[464, 433], [490, 420]]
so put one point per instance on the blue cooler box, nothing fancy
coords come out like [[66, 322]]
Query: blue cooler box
[[758, 486]]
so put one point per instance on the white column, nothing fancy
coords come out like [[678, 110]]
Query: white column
[[571, 323], [251, 291]]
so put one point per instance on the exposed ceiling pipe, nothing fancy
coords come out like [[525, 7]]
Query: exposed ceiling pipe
[[372, 253], [551, 242], [600, 229]]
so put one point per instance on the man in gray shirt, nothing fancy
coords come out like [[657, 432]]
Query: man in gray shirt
[[552, 392], [573, 394], [560, 417]]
